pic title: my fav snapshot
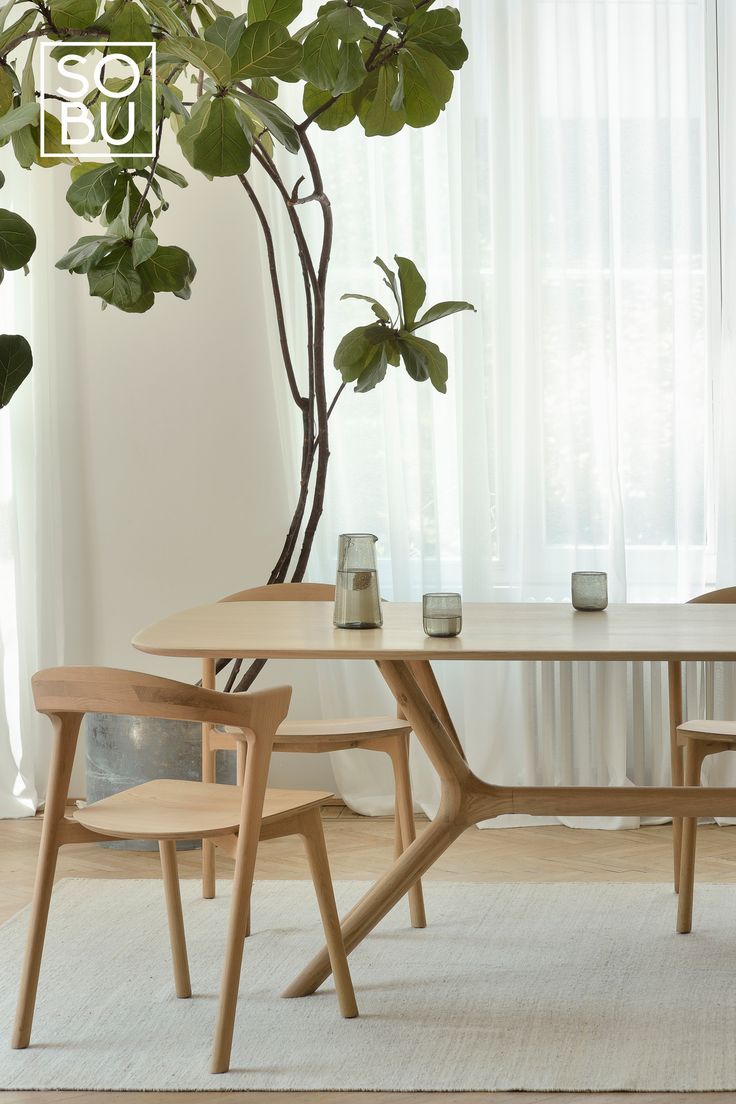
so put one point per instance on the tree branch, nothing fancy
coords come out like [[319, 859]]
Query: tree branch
[[276, 290], [151, 172]]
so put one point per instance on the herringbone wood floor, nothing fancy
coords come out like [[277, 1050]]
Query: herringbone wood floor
[[361, 848]]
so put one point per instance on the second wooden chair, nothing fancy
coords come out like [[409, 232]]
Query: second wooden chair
[[389, 735]]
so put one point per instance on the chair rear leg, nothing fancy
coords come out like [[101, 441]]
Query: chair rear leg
[[209, 870], [695, 753], [170, 872], [310, 826], [405, 829]]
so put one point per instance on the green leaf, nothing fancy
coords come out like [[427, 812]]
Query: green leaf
[[164, 17], [132, 25], [115, 280], [280, 11], [352, 71], [25, 143], [17, 241], [205, 17], [5, 12], [427, 83], [321, 60], [144, 245], [18, 28], [374, 373], [170, 269], [271, 116], [73, 15], [172, 99], [172, 176], [52, 142], [380, 10], [19, 117], [338, 115], [375, 111], [413, 289], [117, 198], [16, 361], [85, 253], [266, 50], [89, 193], [6, 92], [117, 112], [378, 308], [266, 87], [344, 20], [439, 32], [424, 360], [214, 141], [390, 282], [442, 310], [204, 55], [226, 32], [358, 350]]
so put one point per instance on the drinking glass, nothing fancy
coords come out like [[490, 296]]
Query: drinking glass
[[443, 614], [589, 590]]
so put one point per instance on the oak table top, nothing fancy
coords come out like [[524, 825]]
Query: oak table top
[[513, 630]]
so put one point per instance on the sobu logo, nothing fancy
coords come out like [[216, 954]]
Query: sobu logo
[[93, 99]]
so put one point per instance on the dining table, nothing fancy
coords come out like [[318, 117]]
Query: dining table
[[492, 632]]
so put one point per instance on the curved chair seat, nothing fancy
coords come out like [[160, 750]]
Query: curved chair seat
[[338, 734], [171, 809], [721, 731]]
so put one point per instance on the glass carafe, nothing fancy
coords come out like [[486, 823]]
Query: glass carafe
[[357, 601]]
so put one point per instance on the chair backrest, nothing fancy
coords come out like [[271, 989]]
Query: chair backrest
[[285, 592], [77, 690], [725, 596]]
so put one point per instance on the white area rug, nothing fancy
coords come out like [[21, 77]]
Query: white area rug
[[540, 987]]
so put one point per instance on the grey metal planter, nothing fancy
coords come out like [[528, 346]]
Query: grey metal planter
[[126, 751]]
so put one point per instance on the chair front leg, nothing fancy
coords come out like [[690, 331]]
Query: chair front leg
[[170, 872], [695, 752], [310, 827], [254, 789], [66, 730], [405, 830]]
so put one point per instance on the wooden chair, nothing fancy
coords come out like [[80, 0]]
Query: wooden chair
[[167, 810], [699, 739], [385, 734]]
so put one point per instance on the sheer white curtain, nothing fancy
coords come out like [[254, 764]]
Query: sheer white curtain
[[42, 607], [571, 192]]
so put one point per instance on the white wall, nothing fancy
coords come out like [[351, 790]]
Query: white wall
[[186, 489]]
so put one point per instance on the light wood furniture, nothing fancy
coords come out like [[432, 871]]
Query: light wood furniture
[[167, 810], [389, 735], [695, 741], [538, 631]]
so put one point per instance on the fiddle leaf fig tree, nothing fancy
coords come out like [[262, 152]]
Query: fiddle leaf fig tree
[[380, 65]]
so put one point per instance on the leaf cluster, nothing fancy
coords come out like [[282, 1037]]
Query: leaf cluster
[[364, 354], [17, 246], [126, 266]]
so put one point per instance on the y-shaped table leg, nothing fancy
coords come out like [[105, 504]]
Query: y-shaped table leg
[[456, 813]]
